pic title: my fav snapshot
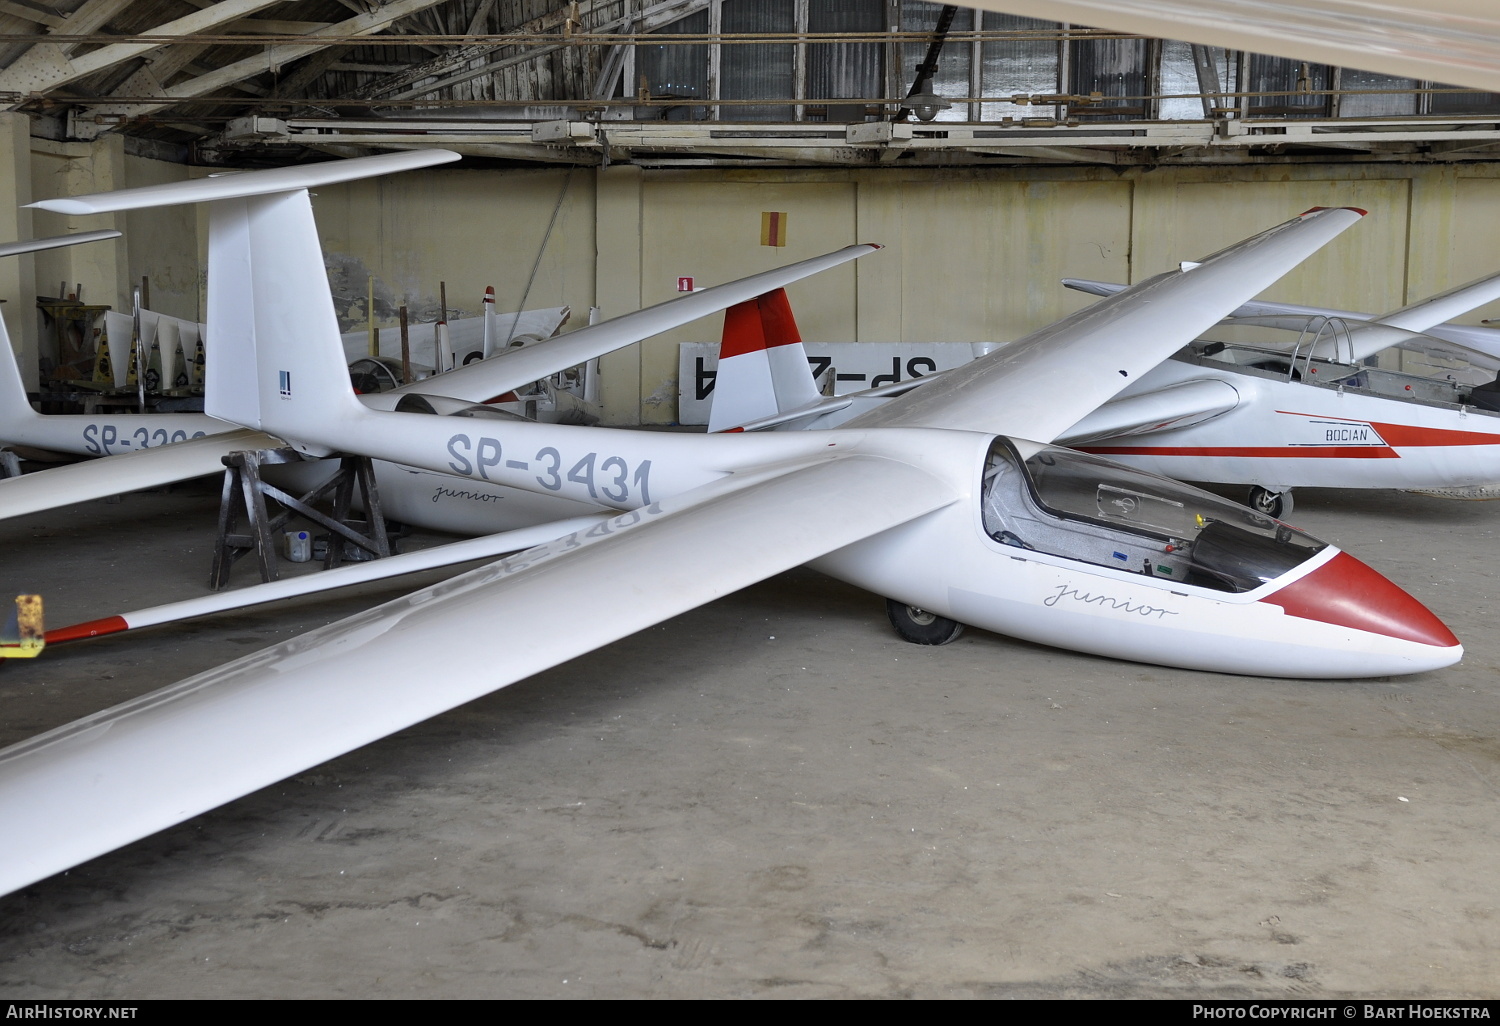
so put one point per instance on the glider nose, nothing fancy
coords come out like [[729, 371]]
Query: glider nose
[[1347, 593]]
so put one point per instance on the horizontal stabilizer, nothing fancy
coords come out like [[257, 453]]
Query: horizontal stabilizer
[[239, 185]]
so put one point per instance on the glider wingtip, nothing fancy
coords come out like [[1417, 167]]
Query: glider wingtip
[[61, 206], [88, 629], [1313, 210]]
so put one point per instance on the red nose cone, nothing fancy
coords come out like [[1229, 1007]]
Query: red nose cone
[[1344, 591]]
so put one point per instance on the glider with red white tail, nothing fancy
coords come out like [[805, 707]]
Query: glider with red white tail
[[921, 501]]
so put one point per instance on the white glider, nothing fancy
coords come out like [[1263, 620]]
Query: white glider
[[949, 520], [410, 495], [1307, 412]]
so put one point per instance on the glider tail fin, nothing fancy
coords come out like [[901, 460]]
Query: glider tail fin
[[275, 355], [15, 407], [763, 367]]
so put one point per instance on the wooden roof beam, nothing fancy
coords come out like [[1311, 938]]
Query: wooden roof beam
[[651, 17], [37, 14], [86, 123], [47, 65]]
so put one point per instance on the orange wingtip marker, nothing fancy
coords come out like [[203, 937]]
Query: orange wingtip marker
[[1314, 210]]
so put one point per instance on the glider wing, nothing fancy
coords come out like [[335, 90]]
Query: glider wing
[[145, 765]]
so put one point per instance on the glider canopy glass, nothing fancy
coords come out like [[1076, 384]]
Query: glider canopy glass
[[1083, 507]]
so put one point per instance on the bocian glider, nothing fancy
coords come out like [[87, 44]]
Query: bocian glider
[[948, 501], [1299, 407]]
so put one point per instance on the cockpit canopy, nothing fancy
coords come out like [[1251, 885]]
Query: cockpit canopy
[[1084, 507]]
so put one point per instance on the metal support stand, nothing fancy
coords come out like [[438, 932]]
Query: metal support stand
[[245, 490], [10, 464]]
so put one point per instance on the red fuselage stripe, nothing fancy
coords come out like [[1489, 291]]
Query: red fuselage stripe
[[1326, 452], [1409, 435]]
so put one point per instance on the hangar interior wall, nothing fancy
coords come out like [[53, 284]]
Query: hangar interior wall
[[971, 255]]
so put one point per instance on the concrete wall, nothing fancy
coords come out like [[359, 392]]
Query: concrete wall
[[159, 244], [976, 255], [972, 255]]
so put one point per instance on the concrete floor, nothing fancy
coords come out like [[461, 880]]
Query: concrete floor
[[773, 796]]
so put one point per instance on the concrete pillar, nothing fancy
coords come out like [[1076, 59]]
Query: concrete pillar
[[1434, 223], [878, 279], [17, 275], [102, 267], [617, 284]]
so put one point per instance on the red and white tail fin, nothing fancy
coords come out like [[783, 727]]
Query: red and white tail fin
[[763, 368]]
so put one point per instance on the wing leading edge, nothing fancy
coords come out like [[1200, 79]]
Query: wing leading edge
[[108, 779]]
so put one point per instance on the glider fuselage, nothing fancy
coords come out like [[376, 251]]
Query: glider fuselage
[[1333, 425], [1132, 566], [1097, 577]]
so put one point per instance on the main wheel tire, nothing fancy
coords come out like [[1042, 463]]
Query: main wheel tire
[[920, 627], [1277, 505]]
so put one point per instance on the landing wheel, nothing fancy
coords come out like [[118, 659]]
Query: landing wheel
[[1277, 505], [920, 627]]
